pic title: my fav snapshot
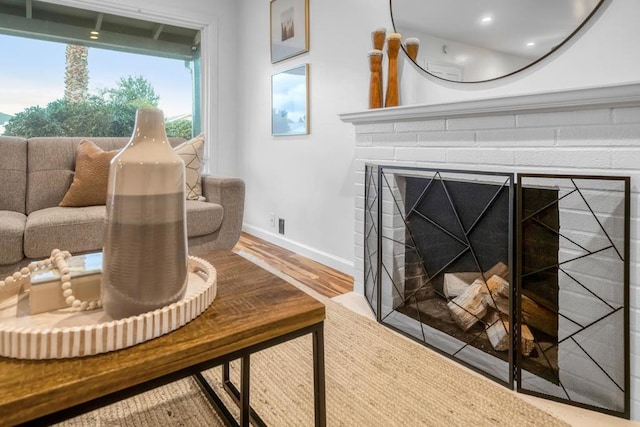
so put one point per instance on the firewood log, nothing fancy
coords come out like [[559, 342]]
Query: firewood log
[[497, 292], [469, 307], [533, 314], [498, 286], [539, 317], [500, 270], [456, 283], [499, 336], [496, 295], [527, 342], [498, 333]]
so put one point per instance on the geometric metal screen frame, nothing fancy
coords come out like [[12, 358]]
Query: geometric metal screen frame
[[608, 306], [603, 312], [371, 245], [379, 277]]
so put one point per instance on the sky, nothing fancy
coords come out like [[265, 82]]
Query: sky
[[32, 73]]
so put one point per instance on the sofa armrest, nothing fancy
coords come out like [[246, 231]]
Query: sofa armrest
[[228, 192]]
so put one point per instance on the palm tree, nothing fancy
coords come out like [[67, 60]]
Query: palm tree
[[76, 75]]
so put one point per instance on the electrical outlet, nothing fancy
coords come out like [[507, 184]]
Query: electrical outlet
[[272, 220], [281, 225]]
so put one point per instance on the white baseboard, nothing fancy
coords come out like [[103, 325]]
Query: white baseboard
[[340, 264]]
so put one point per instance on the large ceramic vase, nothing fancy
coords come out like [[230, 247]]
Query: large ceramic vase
[[145, 242]]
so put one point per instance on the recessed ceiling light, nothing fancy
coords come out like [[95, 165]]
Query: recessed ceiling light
[[94, 33], [486, 20], [531, 44], [93, 37]]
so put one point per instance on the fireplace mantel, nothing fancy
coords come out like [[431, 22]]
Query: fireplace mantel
[[614, 96]]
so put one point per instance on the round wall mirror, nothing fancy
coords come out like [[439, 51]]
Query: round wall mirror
[[481, 40]]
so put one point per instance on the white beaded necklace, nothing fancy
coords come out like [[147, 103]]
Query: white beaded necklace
[[57, 260]]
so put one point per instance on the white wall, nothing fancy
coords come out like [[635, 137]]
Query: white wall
[[308, 180]]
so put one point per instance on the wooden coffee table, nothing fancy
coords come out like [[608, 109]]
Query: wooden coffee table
[[253, 310]]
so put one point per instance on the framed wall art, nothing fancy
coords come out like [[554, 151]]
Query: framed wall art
[[290, 101], [289, 28]]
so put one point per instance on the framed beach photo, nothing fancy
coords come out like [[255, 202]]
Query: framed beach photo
[[290, 102], [289, 28]]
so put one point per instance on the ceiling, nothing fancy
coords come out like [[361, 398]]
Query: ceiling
[[31, 18], [514, 22]]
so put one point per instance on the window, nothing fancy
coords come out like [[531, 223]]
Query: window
[[84, 61]]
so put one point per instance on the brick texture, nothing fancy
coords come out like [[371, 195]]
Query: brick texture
[[603, 141]]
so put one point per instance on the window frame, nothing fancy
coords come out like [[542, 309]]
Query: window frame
[[208, 60]]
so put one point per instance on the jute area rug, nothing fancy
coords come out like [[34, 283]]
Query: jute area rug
[[374, 377]]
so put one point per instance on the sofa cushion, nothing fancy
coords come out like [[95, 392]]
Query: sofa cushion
[[13, 174], [51, 162], [50, 166], [91, 176], [11, 236], [81, 229], [192, 152], [203, 217], [72, 229]]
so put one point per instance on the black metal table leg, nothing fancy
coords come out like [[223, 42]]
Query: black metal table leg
[[215, 401], [234, 393], [226, 376], [241, 397], [319, 400], [245, 409]]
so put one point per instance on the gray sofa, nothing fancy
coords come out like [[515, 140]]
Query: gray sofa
[[36, 173]]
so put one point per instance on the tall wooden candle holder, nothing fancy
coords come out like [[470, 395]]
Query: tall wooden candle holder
[[378, 36], [411, 45], [411, 82], [375, 83], [393, 47]]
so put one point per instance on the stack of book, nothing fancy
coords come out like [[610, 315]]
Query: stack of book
[[46, 287]]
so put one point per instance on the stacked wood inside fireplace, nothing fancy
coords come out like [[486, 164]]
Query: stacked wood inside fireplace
[[469, 295]]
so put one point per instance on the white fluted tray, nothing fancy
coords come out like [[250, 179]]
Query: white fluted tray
[[66, 333]]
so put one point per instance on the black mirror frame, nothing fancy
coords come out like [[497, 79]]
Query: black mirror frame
[[578, 28]]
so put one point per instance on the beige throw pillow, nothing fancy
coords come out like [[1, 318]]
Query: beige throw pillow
[[90, 180], [192, 152]]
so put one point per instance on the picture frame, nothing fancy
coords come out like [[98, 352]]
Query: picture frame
[[289, 29], [290, 101]]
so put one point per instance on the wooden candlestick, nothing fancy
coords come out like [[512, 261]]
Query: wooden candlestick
[[412, 45], [377, 37], [393, 47], [375, 83]]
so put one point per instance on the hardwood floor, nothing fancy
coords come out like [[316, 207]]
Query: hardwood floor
[[324, 280]]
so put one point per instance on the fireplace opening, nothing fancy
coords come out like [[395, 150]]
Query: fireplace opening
[[459, 236]]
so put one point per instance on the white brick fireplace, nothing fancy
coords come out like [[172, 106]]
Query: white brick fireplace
[[593, 131]]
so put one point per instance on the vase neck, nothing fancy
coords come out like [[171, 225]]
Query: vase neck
[[149, 126]]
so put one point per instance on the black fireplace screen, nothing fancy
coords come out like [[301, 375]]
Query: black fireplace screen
[[440, 253], [589, 356]]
